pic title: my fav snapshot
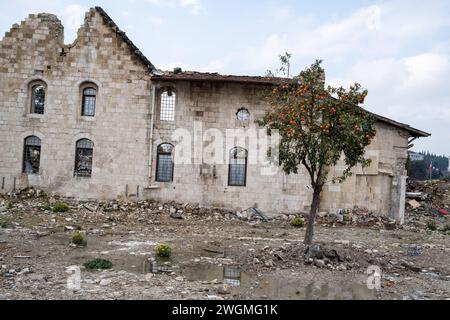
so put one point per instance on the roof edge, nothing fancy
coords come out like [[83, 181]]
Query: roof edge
[[110, 22], [416, 133], [194, 76]]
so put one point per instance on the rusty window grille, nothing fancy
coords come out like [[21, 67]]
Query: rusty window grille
[[31, 155], [167, 111], [237, 171], [164, 163], [88, 106], [83, 158], [38, 99]]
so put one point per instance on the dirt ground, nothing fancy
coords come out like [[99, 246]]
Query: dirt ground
[[215, 255]]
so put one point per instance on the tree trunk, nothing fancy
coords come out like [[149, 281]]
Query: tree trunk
[[312, 216]]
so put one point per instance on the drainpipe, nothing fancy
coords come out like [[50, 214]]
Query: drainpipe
[[152, 116]]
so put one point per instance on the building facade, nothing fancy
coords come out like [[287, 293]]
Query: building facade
[[414, 156], [96, 120]]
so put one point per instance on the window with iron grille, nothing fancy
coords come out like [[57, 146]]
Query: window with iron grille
[[83, 158], [167, 103], [31, 155], [164, 163], [237, 172], [38, 98], [88, 104]]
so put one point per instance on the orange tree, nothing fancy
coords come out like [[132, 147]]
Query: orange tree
[[318, 127]]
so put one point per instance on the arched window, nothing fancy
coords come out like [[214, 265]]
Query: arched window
[[31, 155], [237, 171], [38, 98], [167, 104], [88, 103], [83, 158], [164, 163]]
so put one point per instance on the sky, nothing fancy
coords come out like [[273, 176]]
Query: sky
[[399, 50]]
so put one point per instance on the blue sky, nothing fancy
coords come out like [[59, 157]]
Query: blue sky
[[399, 50]]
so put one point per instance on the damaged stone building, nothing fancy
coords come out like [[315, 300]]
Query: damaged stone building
[[94, 120]]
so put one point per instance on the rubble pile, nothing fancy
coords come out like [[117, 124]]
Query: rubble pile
[[33, 202], [356, 217], [334, 257], [428, 206]]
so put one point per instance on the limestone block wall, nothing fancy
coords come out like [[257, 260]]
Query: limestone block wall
[[375, 188], [214, 106], [33, 51]]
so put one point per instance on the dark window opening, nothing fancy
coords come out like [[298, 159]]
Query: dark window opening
[[164, 163], [31, 155], [167, 111], [88, 105], [237, 171], [83, 158], [38, 99]]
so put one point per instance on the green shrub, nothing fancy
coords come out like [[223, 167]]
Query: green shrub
[[163, 250], [6, 225], [60, 207], [298, 222], [431, 225], [98, 264], [78, 239]]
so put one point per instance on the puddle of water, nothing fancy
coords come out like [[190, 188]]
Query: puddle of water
[[209, 272], [275, 287]]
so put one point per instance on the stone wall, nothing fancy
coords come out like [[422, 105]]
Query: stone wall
[[214, 105], [120, 130], [32, 51]]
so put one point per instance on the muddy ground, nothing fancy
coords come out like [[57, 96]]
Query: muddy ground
[[215, 255]]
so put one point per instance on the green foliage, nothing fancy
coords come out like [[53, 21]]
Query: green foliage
[[60, 207], [78, 239], [6, 224], [431, 225], [298, 222], [98, 264], [318, 125], [163, 250], [418, 170]]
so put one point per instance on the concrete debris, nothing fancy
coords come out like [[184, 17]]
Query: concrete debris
[[414, 204]]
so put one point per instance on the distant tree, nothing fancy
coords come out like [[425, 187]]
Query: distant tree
[[417, 170], [318, 127]]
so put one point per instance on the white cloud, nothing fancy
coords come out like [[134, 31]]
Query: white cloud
[[412, 89], [195, 7]]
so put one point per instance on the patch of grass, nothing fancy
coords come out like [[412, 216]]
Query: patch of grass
[[60, 207], [98, 264], [431, 225], [6, 225], [78, 239], [163, 250], [298, 222]]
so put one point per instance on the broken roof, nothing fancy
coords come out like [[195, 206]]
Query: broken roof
[[216, 77], [125, 38]]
